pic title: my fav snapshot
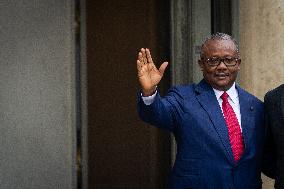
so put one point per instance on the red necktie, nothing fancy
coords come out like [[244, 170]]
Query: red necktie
[[234, 130]]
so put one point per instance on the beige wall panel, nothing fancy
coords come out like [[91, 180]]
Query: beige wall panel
[[262, 45]]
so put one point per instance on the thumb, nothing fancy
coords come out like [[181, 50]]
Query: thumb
[[163, 68]]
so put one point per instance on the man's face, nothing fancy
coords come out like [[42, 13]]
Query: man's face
[[220, 77]]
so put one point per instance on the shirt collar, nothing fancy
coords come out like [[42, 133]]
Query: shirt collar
[[232, 92]]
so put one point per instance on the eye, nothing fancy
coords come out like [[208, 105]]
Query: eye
[[215, 60], [229, 58]]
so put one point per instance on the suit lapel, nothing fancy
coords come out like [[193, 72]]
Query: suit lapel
[[247, 120], [207, 99]]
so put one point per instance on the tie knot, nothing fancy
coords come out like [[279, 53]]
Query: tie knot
[[224, 96]]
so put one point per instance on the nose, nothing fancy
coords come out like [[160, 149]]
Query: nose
[[222, 65]]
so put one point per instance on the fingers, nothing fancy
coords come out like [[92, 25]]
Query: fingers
[[145, 59], [144, 56], [139, 57], [142, 68], [139, 65], [163, 68], [148, 56]]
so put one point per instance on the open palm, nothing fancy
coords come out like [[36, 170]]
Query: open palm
[[149, 76]]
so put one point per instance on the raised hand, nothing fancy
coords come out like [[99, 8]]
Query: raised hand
[[149, 76]]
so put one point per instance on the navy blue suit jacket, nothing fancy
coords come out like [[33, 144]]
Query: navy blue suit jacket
[[204, 157]]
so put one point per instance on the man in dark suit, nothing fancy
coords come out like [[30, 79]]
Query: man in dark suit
[[273, 161], [217, 125]]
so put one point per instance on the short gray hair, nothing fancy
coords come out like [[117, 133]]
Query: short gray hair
[[219, 36]]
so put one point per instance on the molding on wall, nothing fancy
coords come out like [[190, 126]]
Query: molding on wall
[[190, 24]]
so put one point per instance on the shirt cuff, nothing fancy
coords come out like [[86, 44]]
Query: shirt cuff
[[149, 99]]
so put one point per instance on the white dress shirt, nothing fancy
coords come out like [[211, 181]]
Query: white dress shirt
[[233, 99]]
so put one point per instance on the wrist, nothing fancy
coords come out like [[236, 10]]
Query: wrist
[[150, 92]]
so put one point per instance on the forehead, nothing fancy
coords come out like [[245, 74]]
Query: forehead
[[219, 47]]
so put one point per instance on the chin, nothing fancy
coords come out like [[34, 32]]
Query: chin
[[223, 85], [219, 84]]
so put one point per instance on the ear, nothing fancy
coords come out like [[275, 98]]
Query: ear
[[239, 64], [201, 65]]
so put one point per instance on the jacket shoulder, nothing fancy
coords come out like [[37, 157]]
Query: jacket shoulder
[[250, 96], [183, 91], [274, 93]]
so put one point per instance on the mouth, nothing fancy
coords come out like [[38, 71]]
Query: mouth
[[221, 75]]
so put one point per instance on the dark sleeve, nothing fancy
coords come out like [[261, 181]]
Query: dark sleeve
[[162, 112], [269, 152]]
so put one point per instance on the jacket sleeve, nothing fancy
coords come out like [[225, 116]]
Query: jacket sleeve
[[269, 152], [162, 112]]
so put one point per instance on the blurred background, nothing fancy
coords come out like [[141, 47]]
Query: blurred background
[[68, 83]]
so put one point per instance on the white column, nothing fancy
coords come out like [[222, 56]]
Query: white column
[[37, 94], [261, 45]]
